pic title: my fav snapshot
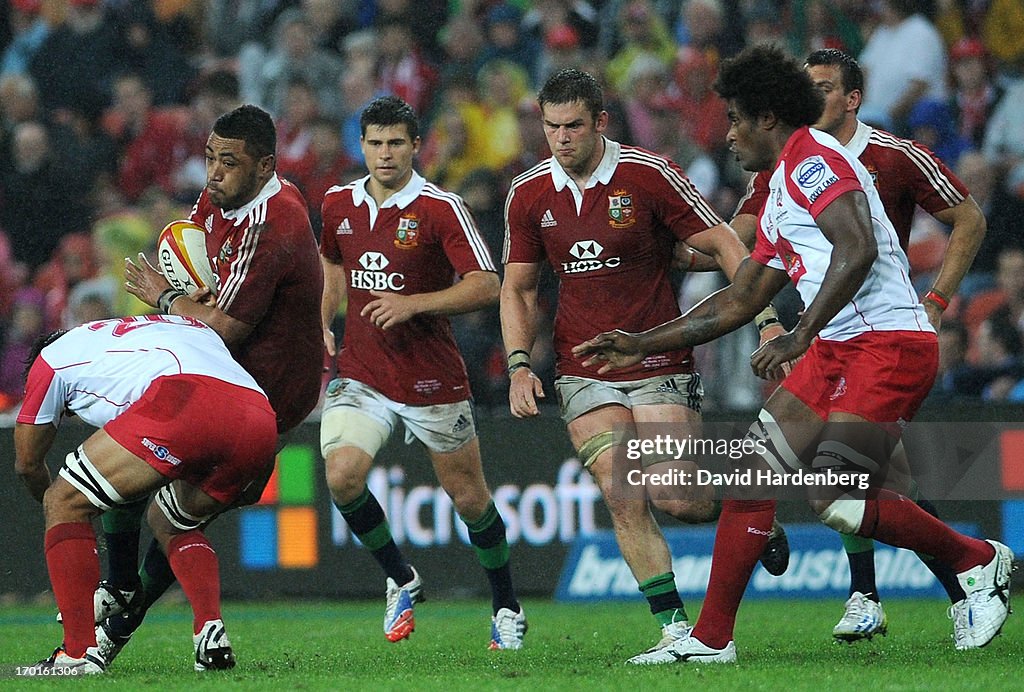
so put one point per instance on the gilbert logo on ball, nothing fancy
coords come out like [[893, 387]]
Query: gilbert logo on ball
[[181, 254]]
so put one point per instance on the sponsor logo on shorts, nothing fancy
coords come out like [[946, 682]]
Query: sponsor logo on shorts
[[840, 389], [461, 424], [160, 452], [668, 385]]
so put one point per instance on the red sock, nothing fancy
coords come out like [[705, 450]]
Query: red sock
[[743, 529], [74, 572], [195, 564], [898, 521]]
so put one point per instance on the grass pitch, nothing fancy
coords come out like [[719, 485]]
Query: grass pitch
[[782, 645]]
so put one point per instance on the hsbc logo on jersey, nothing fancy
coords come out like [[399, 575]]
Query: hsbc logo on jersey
[[372, 276], [814, 176], [588, 258]]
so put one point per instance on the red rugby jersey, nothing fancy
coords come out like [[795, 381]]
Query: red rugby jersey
[[269, 276], [611, 248], [418, 241]]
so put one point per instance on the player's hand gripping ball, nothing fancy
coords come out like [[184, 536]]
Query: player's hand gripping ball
[[182, 259]]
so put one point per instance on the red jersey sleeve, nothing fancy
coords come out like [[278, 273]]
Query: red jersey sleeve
[[934, 185], [755, 195], [464, 246], [332, 218], [522, 231], [683, 209]]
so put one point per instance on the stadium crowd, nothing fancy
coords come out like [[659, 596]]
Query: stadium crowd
[[105, 107]]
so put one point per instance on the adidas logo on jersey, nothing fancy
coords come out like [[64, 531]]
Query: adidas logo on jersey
[[344, 228], [548, 220], [461, 424]]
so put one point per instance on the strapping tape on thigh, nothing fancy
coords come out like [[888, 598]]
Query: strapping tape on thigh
[[167, 501], [80, 472]]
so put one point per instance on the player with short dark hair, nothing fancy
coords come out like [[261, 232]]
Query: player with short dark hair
[[177, 414], [269, 280], [869, 353], [605, 217], [907, 175], [394, 245]]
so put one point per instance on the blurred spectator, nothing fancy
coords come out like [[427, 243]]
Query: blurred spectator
[[1003, 32], [978, 174], [294, 132], [330, 22], [329, 165], [932, 124], [648, 80], [998, 366], [763, 23], [703, 113], [1003, 144], [818, 24], [448, 156], [13, 275], [975, 93], [228, 25], [533, 146], [74, 261], [953, 342], [151, 53], [76, 62], [643, 33], [403, 70], [216, 93], [1008, 293], [904, 61], [38, 206], [293, 54], [543, 16], [462, 41], [712, 28], [561, 49], [502, 84], [358, 88], [29, 30], [506, 39], [146, 137], [25, 327]]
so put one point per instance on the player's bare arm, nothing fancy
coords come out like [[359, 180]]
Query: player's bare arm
[[968, 230], [753, 287], [745, 226], [335, 291], [476, 289], [687, 259], [519, 316], [31, 443], [147, 284], [721, 243]]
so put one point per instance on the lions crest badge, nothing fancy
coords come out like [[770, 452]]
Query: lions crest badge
[[620, 209], [407, 234]]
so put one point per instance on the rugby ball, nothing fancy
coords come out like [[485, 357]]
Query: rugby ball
[[182, 258]]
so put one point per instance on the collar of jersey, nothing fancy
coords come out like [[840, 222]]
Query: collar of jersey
[[859, 142], [401, 199], [602, 174], [272, 187]]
